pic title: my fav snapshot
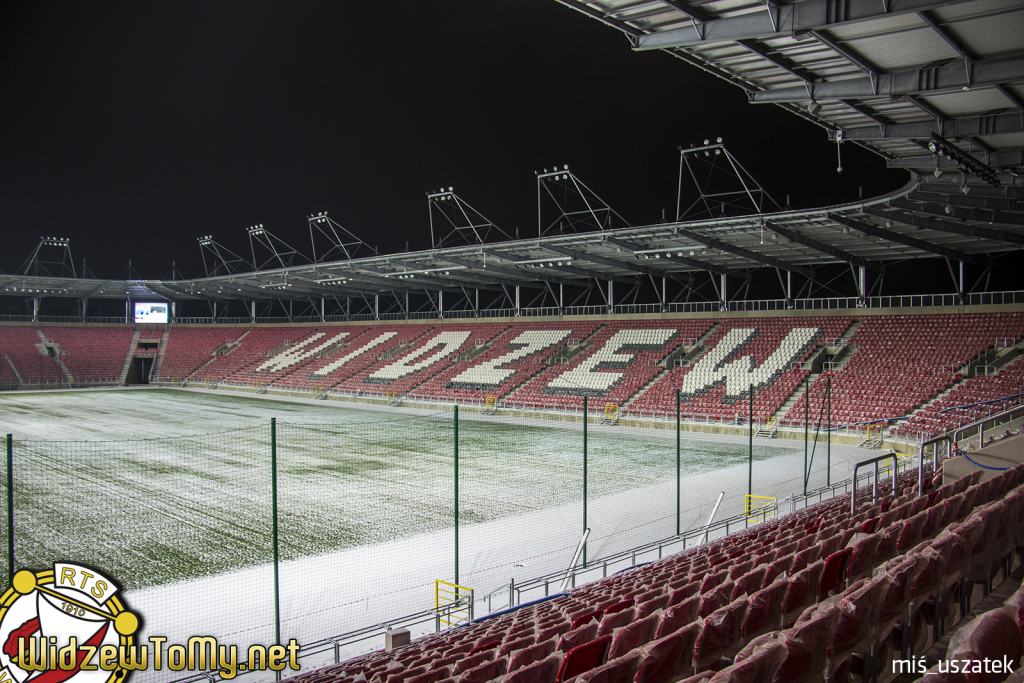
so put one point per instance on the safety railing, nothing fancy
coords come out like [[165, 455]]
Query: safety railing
[[874, 487], [828, 303], [453, 604]]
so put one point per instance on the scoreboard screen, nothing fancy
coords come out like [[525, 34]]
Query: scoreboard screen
[[151, 313]]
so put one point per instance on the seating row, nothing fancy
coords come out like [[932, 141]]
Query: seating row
[[823, 593]]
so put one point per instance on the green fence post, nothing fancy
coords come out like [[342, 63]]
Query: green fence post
[[585, 416], [750, 452], [10, 505], [828, 460], [273, 496], [679, 492], [456, 495], [807, 418]]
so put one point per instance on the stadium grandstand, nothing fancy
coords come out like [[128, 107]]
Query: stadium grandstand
[[663, 324]]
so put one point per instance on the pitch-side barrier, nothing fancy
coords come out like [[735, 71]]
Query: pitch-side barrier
[[515, 595]]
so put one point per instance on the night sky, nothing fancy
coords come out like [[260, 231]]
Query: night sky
[[133, 128]]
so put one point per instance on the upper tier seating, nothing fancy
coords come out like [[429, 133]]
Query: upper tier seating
[[900, 362], [187, 348], [739, 353], [932, 420], [429, 355], [18, 346], [513, 357], [620, 359], [296, 358], [92, 354], [356, 353], [698, 612], [256, 346]]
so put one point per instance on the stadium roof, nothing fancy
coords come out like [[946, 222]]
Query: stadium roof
[[885, 74], [936, 87], [929, 219]]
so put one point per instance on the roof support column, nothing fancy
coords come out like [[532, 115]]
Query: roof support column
[[85, 304], [862, 287], [960, 289], [174, 311], [252, 312], [38, 301], [611, 297], [321, 309], [664, 305], [376, 306], [723, 297], [517, 301], [440, 304], [958, 279]]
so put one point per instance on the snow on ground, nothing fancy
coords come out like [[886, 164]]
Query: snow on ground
[[366, 502]]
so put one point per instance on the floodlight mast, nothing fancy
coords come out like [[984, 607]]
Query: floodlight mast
[[724, 186], [578, 207], [281, 254], [343, 245], [465, 224], [51, 257], [222, 260]]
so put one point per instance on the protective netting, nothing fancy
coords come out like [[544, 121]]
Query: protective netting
[[366, 510], [182, 524]]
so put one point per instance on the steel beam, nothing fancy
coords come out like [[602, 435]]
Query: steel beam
[[681, 260], [950, 39], [506, 271], [949, 76], [696, 13], [961, 213], [927, 223], [907, 240], [779, 22], [976, 201], [1006, 158], [818, 245], [998, 124], [578, 255], [573, 270], [974, 190]]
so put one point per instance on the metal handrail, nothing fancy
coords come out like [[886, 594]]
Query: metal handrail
[[874, 484], [950, 438]]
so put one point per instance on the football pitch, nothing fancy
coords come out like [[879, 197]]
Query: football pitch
[[171, 490]]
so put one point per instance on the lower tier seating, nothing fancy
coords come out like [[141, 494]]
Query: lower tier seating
[[823, 594]]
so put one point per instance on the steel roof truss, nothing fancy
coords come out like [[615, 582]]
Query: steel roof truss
[[949, 76], [822, 247], [899, 238], [783, 21]]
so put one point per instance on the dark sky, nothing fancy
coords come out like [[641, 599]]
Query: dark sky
[[135, 127]]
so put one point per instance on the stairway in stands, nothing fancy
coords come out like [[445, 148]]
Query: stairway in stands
[[56, 357], [799, 393], [159, 360], [123, 375], [695, 353]]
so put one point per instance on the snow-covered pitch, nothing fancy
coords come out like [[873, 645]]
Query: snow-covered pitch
[[169, 492]]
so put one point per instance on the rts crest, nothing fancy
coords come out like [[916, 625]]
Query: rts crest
[[59, 625]]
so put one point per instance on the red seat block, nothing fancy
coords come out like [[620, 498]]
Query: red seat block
[[583, 658], [669, 658]]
